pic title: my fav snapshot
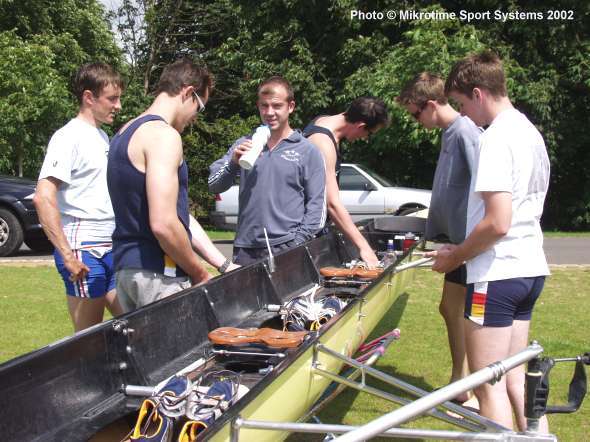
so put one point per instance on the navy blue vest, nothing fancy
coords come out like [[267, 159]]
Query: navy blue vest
[[134, 244], [311, 129]]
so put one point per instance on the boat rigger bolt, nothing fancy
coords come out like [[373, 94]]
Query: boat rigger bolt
[[123, 366]]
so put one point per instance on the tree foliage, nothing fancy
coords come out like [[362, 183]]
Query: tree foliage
[[42, 43], [329, 58], [32, 92]]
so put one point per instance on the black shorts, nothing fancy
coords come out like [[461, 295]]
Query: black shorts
[[458, 276], [499, 303]]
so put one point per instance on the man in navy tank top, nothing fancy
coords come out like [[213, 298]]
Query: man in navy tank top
[[148, 182], [364, 117]]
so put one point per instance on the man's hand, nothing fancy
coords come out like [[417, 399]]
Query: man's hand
[[200, 277], [369, 258], [78, 270], [445, 259], [242, 149]]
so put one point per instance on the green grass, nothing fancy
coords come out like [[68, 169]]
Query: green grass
[[215, 234], [421, 356], [559, 234], [33, 313]]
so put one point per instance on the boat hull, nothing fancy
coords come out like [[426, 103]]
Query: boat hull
[[74, 388]]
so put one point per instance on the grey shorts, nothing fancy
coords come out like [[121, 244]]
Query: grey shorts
[[136, 288]]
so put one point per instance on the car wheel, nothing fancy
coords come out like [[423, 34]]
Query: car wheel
[[11, 233], [409, 210], [41, 245]]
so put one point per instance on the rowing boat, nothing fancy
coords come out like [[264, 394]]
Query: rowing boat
[[76, 388]]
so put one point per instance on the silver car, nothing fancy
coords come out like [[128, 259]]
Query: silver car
[[363, 192]]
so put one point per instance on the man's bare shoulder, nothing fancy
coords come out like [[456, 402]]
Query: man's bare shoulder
[[156, 134], [324, 143]]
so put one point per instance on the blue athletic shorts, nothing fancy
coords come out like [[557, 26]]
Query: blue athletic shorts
[[499, 303], [99, 281]]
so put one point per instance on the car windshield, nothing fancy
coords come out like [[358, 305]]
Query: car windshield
[[383, 181]]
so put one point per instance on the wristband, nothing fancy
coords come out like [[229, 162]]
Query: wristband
[[223, 267]]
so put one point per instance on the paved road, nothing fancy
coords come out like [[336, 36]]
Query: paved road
[[558, 251]]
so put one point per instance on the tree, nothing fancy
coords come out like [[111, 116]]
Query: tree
[[331, 58], [42, 44], [34, 102]]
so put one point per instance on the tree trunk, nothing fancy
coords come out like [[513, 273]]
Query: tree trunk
[[19, 161]]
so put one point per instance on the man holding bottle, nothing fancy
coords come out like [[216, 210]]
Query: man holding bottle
[[282, 196]]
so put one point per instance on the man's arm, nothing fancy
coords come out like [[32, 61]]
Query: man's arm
[[314, 194], [203, 245], [162, 159], [494, 225], [336, 209], [45, 201], [223, 172]]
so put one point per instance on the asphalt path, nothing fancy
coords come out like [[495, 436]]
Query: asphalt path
[[559, 251]]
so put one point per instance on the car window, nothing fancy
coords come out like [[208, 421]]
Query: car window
[[350, 179], [381, 180]]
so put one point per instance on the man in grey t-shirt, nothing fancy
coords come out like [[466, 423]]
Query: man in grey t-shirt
[[423, 97]]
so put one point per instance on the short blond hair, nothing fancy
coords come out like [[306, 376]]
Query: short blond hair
[[423, 88], [484, 70]]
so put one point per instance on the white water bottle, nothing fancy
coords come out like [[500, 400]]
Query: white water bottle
[[259, 139]]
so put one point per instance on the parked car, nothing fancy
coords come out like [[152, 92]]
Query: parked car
[[18, 217], [363, 192]]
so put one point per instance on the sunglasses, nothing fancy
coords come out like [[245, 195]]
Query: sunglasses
[[201, 104], [417, 114]]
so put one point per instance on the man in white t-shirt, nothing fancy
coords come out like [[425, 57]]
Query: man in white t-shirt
[[506, 265], [73, 201]]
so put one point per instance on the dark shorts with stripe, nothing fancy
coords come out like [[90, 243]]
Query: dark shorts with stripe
[[499, 303], [457, 276]]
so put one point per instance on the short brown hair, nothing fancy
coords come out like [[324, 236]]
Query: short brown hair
[[184, 72], [484, 70], [276, 79], [421, 89], [94, 77], [369, 110]]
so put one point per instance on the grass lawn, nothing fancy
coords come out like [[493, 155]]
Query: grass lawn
[[33, 313], [421, 355], [559, 234], [220, 234]]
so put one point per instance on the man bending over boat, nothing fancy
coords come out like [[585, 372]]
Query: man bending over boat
[[506, 265], [282, 197], [148, 183], [364, 117], [424, 98]]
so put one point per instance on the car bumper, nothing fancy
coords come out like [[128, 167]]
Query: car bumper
[[223, 221]]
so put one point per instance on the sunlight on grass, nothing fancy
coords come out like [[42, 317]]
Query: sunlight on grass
[[33, 314]]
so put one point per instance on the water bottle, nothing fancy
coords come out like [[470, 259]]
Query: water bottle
[[259, 139], [390, 246], [389, 255]]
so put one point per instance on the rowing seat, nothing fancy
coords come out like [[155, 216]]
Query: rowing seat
[[354, 272], [268, 336]]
